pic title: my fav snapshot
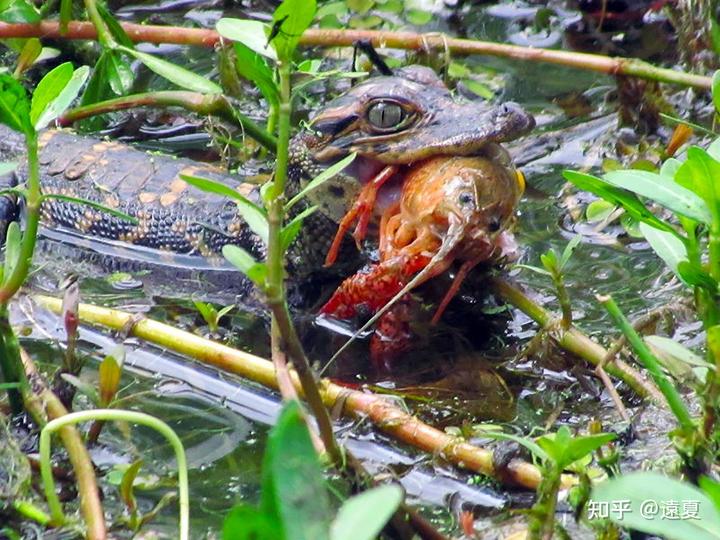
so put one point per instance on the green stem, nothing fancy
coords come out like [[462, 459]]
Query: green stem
[[30, 511], [104, 35], [202, 104], [563, 300], [10, 362], [673, 398], [275, 283], [122, 416], [542, 522], [573, 340], [33, 200]]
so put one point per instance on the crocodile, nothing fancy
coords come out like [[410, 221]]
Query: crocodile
[[400, 119]]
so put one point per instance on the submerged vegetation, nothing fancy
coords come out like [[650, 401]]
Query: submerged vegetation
[[312, 484]]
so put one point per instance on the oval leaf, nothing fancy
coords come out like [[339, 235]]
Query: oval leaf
[[666, 245], [363, 516], [14, 105], [62, 100], [252, 34], [175, 74], [662, 190]]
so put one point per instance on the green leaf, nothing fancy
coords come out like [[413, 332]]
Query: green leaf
[[92, 204], [599, 210], [676, 358], [670, 167], [290, 20], [109, 374], [83, 387], [117, 31], [182, 77], [49, 88], [696, 277], [13, 240], [252, 34], [363, 516], [246, 263], [531, 445], [584, 445], [666, 245], [14, 105], [699, 174], [7, 167], [535, 269], [127, 491], [64, 99], [569, 249], [245, 522], [320, 179], [716, 90], [18, 11], [254, 215], [632, 205], [662, 190], [118, 72], [418, 17], [714, 149], [714, 35], [28, 55], [711, 489], [252, 66], [640, 487], [293, 485], [290, 231]]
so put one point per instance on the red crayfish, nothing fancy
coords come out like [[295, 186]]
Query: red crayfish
[[450, 209]]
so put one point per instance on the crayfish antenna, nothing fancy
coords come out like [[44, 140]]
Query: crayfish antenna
[[438, 264]]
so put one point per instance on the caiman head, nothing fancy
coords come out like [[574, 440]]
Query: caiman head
[[400, 119]]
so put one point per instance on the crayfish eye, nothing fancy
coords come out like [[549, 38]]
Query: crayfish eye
[[386, 115], [466, 199], [494, 224]]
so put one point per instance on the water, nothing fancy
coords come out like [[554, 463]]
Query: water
[[474, 374]]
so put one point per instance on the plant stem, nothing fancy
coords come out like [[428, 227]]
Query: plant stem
[[42, 404], [105, 37], [275, 284], [10, 362], [33, 199], [383, 412], [202, 104], [575, 341], [542, 522], [673, 398], [122, 416], [398, 40]]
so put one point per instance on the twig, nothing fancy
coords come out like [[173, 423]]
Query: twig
[[42, 404], [398, 40], [575, 341], [381, 411], [202, 104]]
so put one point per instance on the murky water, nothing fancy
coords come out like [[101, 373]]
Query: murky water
[[474, 377]]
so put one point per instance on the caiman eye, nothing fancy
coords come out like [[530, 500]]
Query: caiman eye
[[386, 115], [466, 199]]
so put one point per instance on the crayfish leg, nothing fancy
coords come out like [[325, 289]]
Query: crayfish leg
[[361, 210], [455, 287], [392, 336]]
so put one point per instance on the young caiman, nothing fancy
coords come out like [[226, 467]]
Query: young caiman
[[398, 119]]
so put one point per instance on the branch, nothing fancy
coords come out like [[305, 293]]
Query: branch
[[397, 40], [202, 104], [44, 405], [381, 411]]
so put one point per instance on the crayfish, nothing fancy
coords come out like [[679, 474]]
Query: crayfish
[[451, 209]]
